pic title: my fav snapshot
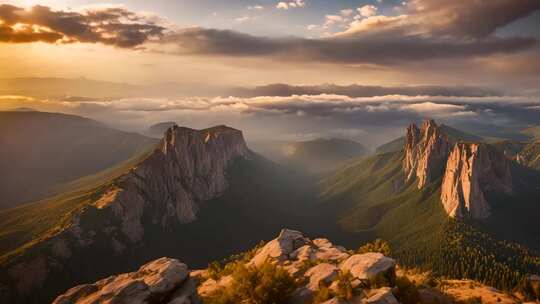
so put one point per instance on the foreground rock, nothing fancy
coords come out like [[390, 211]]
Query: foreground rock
[[321, 272], [161, 281], [472, 171], [369, 266]]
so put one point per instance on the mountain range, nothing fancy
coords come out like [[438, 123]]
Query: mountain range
[[44, 154], [446, 201]]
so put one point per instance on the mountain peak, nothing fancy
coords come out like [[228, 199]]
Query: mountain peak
[[219, 137], [426, 150], [189, 167], [471, 171]]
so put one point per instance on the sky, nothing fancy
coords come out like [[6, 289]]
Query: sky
[[256, 42], [461, 61]]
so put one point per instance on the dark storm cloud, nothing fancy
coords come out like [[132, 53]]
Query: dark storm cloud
[[111, 25], [466, 18], [343, 49], [429, 29]]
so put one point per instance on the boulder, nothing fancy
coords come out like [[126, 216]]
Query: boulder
[[335, 301], [381, 296], [368, 265], [281, 247], [156, 280], [321, 273], [210, 286]]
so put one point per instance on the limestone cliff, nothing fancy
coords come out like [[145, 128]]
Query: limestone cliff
[[473, 170], [188, 167], [426, 151]]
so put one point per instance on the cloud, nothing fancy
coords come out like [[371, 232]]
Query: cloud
[[347, 12], [367, 10], [108, 25], [255, 7], [355, 90], [332, 19], [292, 4], [266, 117], [426, 30], [471, 19], [386, 50]]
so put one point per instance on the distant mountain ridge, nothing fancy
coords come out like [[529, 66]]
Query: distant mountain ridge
[[157, 130], [43, 152], [321, 155]]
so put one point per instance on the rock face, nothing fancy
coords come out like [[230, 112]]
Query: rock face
[[161, 281], [473, 170], [281, 247], [367, 266], [188, 167], [426, 151]]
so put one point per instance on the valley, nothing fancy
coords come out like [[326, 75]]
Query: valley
[[200, 190]]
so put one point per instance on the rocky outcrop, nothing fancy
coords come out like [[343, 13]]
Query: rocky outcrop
[[349, 279], [188, 167], [317, 263], [426, 151], [281, 247], [472, 171], [368, 266], [161, 281]]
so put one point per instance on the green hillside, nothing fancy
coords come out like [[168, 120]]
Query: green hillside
[[533, 132], [321, 155], [374, 203], [43, 153], [24, 226]]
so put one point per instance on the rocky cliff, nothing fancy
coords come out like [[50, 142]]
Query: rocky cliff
[[188, 167], [426, 151], [472, 171]]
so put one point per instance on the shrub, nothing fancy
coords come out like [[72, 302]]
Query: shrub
[[376, 246], [407, 291], [266, 284], [383, 279], [530, 291], [323, 294], [216, 269], [344, 287], [472, 300]]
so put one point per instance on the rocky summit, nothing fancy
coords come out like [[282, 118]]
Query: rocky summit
[[472, 171], [290, 269], [426, 151]]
